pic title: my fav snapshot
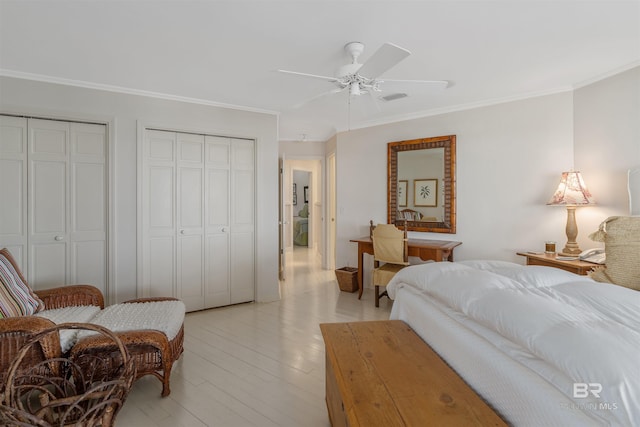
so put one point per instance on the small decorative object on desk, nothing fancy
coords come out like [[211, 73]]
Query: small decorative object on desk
[[550, 247]]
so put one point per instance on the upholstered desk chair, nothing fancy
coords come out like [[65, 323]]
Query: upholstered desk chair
[[390, 255]]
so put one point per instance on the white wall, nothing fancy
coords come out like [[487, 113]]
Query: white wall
[[307, 149], [126, 112], [509, 160], [607, 144]]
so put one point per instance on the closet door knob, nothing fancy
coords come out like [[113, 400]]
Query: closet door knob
[[181, 231], [59, 238], [224, 229]]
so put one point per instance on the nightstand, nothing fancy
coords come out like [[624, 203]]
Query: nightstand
[[577, 267]]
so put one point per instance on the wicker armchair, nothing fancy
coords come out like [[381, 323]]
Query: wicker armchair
[[67, 296], [17, 331], [152, 351]]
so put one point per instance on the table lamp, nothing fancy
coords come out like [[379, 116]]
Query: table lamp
[[571, 192]]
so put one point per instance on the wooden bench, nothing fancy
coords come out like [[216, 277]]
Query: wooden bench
[[381, 373]]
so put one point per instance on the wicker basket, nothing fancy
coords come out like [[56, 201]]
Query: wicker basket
[[347, 279], [64, 391]]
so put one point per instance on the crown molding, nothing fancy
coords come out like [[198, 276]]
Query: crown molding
[[490, 102], [128, 91], [455, 108], [607, 75]]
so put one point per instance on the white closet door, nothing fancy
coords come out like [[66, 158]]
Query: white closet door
[[53, 215], [218, 161], [88, 202], [190, 203], [13, 187], [242, 221], [159, 223], [49, 203], [198, 214], [67, 204]]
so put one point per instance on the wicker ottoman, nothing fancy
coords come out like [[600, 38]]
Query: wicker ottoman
[[152, 329]]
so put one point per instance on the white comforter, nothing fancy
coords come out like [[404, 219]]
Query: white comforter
[[579, 335]]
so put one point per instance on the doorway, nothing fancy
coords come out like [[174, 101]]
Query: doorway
[[301, 214], [304, 207]]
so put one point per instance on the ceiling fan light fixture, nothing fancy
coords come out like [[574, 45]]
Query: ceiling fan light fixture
[[347, 70], [354, 89]]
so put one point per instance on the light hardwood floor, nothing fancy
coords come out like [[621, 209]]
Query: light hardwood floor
[[258, 364]]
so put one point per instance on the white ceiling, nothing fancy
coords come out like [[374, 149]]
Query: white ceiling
[[227, 52]]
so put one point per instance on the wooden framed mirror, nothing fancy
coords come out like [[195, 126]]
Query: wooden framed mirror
[[421, 186]]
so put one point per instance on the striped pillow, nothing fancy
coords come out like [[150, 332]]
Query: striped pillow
[[16, 298]]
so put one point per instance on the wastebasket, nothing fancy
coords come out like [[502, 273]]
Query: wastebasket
[[347, 279]]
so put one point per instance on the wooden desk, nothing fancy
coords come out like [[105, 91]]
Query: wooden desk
[[437, 250], [380, 373], [577, 267]]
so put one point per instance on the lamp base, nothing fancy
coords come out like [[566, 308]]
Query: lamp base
[[571, 248], [570, 252]]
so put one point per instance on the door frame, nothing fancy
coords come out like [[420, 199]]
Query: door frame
[[330, 214], [281, 219]]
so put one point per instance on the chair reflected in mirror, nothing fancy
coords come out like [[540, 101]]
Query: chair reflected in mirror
[[390, 254]]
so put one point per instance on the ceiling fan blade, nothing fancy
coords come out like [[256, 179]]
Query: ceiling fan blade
[[323, 94], [444, 83], [386, 57], [314, 76]]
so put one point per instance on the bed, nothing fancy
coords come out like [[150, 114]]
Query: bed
[[301, 231], [541, 345]]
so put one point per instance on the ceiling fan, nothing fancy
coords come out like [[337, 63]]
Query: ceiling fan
[[364, 78]]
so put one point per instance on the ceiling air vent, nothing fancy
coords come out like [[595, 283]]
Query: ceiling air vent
[[393, 96]]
